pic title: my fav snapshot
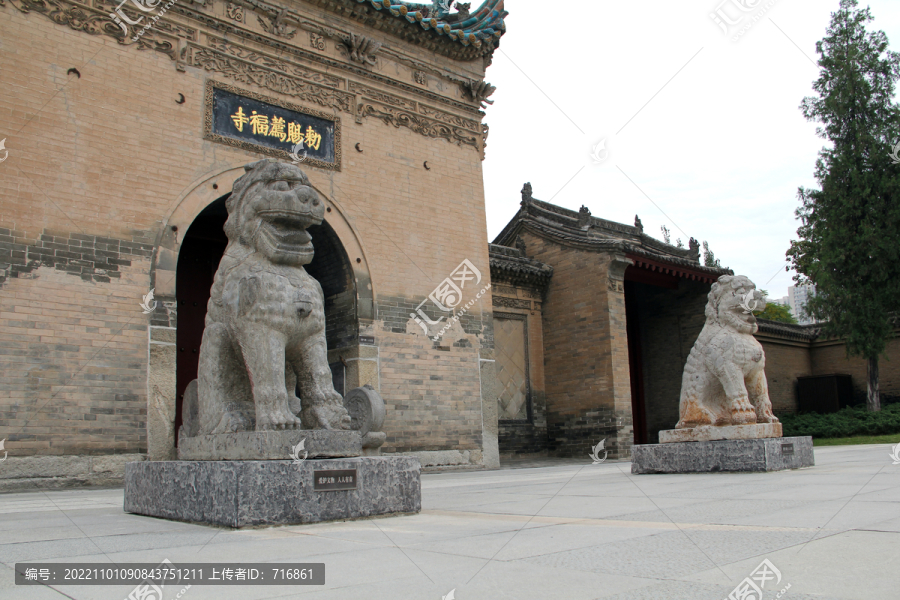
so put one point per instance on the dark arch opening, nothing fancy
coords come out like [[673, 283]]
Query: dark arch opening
[[198, 259]]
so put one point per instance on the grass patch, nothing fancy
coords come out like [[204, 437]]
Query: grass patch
[[893, 438]]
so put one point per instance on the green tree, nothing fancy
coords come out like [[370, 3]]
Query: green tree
[[849, 237], [709, 259], [776, 312]]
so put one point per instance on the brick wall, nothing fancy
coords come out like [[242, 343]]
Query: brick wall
[[579, 370], [828, 357], [786, 360]]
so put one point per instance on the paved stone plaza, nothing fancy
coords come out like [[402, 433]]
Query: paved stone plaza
[[543, 529]]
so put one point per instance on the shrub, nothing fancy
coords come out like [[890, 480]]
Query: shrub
[[847, 422]]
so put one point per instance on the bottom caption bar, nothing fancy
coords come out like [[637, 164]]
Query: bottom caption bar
[[167, 573]]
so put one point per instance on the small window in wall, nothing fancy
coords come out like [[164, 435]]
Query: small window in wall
[[511, 351]]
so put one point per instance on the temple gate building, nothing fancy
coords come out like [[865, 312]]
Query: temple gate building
[[127, 123]]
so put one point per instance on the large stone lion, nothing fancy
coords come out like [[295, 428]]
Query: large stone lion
[[265, 325], [724, 380]]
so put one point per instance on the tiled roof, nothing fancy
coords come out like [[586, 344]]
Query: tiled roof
[[789, 330], [512, 266], [581, 230], [484, 25]]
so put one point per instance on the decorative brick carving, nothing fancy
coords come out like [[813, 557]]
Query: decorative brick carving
[[616, 286], [450, 118], [317, 41], [504, 290], [420, 77], [277, 24], [374, 94], [479, 91], [511, 302], [235, 11], [421, 125], [243, 72], [274, 63], [360, 48]]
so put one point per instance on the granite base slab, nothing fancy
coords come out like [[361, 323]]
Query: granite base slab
[[270, 492], [270, 445], [767, 454], [707, 433]]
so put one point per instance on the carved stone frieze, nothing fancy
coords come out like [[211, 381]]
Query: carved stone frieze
[[374, 94], [511, 302], [274, 63], [420, 77], [426, 127], [244, 72]]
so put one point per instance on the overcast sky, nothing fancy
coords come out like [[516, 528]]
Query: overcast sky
[[704, 134]]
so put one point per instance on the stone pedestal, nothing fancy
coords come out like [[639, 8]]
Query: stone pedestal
[[708, 433], [241, 493], [270, 445], [766, 454]]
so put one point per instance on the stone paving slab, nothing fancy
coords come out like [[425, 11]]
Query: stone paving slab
[[594, 532]]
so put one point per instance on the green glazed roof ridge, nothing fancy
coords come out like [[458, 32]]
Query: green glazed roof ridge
[[484, 24]]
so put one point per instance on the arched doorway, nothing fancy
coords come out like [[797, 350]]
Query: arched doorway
[[198, 259]]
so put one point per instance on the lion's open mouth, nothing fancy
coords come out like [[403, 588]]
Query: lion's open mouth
[[286, 231]]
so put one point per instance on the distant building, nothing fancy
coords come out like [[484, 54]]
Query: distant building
[[798, 296]]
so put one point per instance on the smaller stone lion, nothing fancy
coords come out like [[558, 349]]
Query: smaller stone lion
[[265, 325], [724, 381]]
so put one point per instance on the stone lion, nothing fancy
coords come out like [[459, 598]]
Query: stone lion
[[265, 324], [724, 381]]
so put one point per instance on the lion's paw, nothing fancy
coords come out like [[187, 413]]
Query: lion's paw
[[325, 416], [273, 420], [742, 412]]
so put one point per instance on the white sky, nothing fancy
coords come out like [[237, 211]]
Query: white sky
[[721, 148]]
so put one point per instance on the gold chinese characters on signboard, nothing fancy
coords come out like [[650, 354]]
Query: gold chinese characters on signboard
[[275, 127]]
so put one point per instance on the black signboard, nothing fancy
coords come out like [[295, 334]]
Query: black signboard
[[258, 123], [334, 479], [787, 448]]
